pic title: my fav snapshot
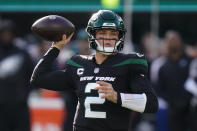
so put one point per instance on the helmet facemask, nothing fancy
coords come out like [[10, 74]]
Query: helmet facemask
[[106, 50]]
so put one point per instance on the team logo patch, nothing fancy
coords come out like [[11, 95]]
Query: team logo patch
[[109, 24], [52, 17], [96, 70], [80, 71], [140, 55], [142, 75]]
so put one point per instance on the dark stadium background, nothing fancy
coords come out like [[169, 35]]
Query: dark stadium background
[[173, 14], [184, 22]]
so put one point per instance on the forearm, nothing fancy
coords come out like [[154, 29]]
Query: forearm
[[42, 73], [143, 98], [135, 102]]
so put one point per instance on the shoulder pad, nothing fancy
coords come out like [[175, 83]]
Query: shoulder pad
[[79, 60], [137, 55], [137, 62], [140, 63], [133, 59], [75, 61]]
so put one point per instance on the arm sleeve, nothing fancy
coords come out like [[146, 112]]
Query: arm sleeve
[[141, 85], [143, 97], [28, 68], [44, 77]]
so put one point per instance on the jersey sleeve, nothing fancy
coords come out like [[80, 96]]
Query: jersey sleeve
[[44, 77], [140, 83], [143, 97]]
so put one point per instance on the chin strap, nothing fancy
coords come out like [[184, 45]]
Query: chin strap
[[107, 50]]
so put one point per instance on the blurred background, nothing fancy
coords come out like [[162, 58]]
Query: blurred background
[[165, 30]]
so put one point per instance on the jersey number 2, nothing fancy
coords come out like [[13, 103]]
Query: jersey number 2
[[93, 100]]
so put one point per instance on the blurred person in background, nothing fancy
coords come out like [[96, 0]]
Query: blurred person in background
[[172, 76], [161, 120], [150, 46], [191, 87], [15, 70], [158, 62], [70, 98], [192, 50]]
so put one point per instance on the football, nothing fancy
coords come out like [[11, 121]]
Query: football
[[52, 27]]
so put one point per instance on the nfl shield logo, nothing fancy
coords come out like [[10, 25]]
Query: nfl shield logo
[[96, 70]]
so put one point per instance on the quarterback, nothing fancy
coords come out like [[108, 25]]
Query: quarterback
[[109, 84]]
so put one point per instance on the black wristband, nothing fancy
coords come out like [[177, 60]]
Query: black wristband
[[119, 102]]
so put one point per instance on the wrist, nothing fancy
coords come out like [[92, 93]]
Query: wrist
[[115, 97], [119, 102]]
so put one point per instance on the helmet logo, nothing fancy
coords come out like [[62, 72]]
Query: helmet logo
[[109, 24], [139, 54]]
